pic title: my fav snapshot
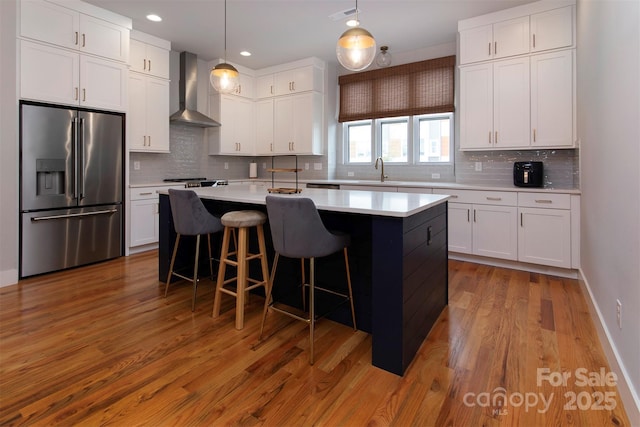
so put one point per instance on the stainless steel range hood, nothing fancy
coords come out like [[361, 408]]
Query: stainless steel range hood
[[188, 94]]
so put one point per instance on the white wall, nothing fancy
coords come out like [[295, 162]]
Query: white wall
[[8, 146], [608, 70]]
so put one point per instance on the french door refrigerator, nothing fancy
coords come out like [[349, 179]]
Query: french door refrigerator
[[71, 186]]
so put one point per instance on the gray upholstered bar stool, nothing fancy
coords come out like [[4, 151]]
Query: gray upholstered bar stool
[[190, 218], [297, 231], [242, 221]]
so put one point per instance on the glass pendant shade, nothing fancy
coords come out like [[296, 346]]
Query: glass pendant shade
[[356, 49], [224, 78], [383, 58]]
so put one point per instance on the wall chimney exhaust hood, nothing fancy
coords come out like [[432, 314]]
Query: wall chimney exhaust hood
[[188, 94]]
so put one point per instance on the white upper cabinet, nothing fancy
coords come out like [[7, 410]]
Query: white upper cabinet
[[148, 58], [552, 29], [70, 78], [148, 115], [301, 79], [51, 23], [265, 87], [236, 135], [499, 40], [552, 100], [245, 86]]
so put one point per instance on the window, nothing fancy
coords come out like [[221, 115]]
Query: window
[[423, 139]]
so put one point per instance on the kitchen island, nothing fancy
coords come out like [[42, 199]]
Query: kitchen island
[[398, 259]]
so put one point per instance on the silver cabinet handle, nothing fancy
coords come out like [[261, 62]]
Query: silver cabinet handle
[[534, 41], [495, 199], [468, 214], [544, 201], [489, 48], [84, 39], [521, 224], [146, 194], [474, 215], [76, 95], [495, 48], [84, 94], [534, 135], [76, 43], [144, 64], [149, 65], [489, 137], [453, 196]]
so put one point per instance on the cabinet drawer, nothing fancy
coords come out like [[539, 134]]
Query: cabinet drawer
[[144, 193], [501, 198], [544, 200]]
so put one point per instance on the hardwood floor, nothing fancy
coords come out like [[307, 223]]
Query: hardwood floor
[[100, 345]]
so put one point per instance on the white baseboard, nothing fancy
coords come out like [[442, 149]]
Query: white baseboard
[[628, 395], [516, 265], [8, 277], [143, 248]]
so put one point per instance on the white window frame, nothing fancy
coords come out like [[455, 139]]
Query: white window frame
[[413, 134]]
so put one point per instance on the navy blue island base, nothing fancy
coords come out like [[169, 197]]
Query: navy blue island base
[[399, 270]]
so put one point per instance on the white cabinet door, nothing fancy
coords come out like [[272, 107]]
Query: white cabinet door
[[149, 59], [552, 29], [157, 114], [49, 74], [544, 237], [245, 86], [148, 111], [137, 113], [237, 133], [144, 222], [264, 127], [499, 40], [297, 124], [265, 86], [476, 44], [50, 23], [103, 38], [103, 83], [296, 80], [552, 100], [495, 231], [476, 106], [511, 103], [511, 37], [460, 228]]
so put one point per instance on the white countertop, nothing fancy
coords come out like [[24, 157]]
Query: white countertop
[[350, 201]]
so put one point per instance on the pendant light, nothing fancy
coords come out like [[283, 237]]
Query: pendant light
[[383, 58], [224, 77], [356, 47]]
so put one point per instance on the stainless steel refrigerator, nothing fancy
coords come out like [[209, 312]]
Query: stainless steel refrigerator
[[71, 186]]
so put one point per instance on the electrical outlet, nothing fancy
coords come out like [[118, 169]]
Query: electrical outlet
[[317, 166], [619, 313], [226, 165], [136, 166], [350, 173], [435, 176], [264, 165], [478, 166], [306, 166]]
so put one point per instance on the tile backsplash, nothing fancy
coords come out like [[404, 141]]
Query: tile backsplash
[[190, 157]]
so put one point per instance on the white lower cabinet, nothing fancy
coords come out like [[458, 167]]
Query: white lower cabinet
[[145, 215], [544, 233], [495, 231], [485, 226]]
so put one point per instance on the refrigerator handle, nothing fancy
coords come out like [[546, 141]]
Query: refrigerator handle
[[74, 155], [81, 158]]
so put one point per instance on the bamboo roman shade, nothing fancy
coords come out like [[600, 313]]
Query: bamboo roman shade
[[424, 87]]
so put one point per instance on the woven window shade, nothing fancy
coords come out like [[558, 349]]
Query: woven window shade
[[424, 87]]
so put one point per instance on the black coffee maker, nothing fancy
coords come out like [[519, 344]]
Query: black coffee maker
[[527, 174]]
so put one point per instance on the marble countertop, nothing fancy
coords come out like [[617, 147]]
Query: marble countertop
[[350, 201]]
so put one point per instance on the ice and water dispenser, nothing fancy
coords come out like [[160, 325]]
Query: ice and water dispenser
[[50, 176]]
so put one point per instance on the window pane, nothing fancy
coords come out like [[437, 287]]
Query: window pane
[[359, 140], [393, 136], [435, 140]]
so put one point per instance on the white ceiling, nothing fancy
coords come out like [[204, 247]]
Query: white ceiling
[[279, 31]]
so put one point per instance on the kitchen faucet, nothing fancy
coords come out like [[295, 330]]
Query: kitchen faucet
[[382, 175]]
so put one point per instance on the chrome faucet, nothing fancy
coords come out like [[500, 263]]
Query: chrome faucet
[[382, 175]]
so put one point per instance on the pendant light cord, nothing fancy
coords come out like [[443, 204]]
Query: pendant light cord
[[225, 31]]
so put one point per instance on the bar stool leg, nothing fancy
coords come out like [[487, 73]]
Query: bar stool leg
[[195, 274], [173, 260], [241, 281], [224, 253], [210, 256], [312, 308], [353, 312], [267, 298]]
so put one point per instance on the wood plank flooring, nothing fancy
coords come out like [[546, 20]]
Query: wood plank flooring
[[99, 345]]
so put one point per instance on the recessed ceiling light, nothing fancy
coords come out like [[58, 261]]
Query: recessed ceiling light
[[245, 53], [154, 17], [352, 23]]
